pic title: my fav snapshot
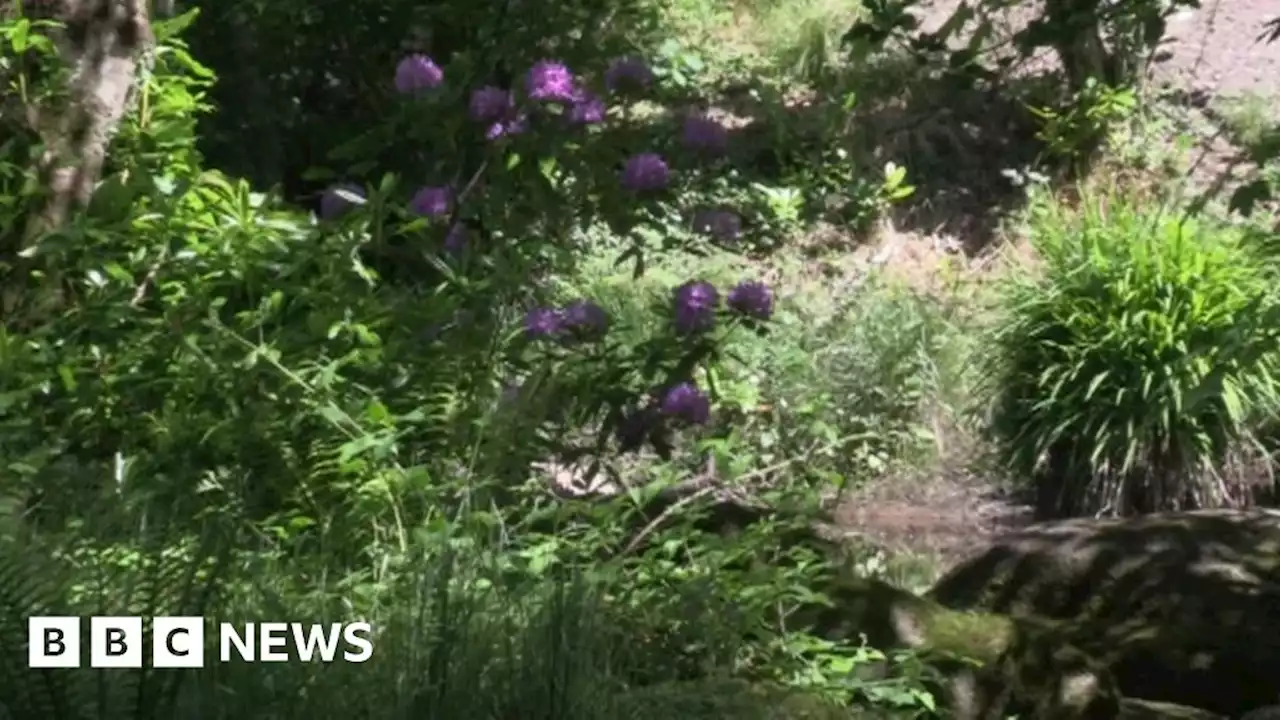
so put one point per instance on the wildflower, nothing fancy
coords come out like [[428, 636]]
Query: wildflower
[[490, 104], [587, 109], [705, 135], [686, 402], [456, 239], [722, 225], [752, 299], [432, 201], [339, 199], [628, 74], [550, 81], [645, 172], [542, 323], [416, 73], [695, 307], [584, 320]]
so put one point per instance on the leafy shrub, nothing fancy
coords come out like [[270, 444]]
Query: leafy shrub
[[330, 398], [1134, 361]]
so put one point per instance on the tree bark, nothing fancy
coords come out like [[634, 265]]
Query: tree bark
[[101, 45]]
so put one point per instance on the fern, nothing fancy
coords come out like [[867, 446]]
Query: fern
[[146, 578]]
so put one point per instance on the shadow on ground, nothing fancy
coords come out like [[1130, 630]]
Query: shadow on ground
[[963, 142]]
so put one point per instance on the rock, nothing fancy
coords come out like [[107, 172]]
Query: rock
[[1023, 666], [725, 699], [1134, 709], [1180, 607]]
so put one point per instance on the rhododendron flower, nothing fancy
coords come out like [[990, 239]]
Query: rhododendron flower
[[506, 128], [550, 81], [432, 202], [686, 402], [541, 323], [702, 134], [490, 104], [752, 299], [584, 320], [416, 73], [645, 172], [695, 307], [587, 109]]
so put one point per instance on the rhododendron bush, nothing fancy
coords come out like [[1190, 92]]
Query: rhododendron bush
[[520, 209]]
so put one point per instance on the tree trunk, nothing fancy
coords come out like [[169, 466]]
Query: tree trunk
[[101, 46]]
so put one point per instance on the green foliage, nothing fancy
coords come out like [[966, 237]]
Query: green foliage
[[1129, 375], [1081, 125], [245, 411]]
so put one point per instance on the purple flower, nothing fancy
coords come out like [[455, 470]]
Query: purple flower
[[490, 104], [695, 307], [686, 402], [339, 199], [703, 134], [753, 299], [722, 225], [628, 74], [587, 109], [542, 323], [645, 172], [455, 241], [505, 128], [432, 201], [584, 320], [550, 81], [416, 73]]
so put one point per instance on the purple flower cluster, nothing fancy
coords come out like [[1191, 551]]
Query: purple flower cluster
[[587, 109], [549, 81], [490, 104], [579, 321], [752, 299], [416, 73], [705, 135], [645, 172], [687, 403], [432, 202], [696, 302], [695, 307]]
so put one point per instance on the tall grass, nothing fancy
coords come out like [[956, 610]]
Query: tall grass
[[1134, 362], [463, 628]]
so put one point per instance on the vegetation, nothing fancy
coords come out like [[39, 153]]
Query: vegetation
[[539, 336]]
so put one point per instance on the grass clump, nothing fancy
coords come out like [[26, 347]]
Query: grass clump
[[1132, 369]]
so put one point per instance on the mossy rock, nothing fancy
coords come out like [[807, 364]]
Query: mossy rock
[[726, 699], [995, 665], [1180, 607]]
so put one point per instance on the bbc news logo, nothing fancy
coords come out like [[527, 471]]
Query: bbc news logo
[[178, 642]]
